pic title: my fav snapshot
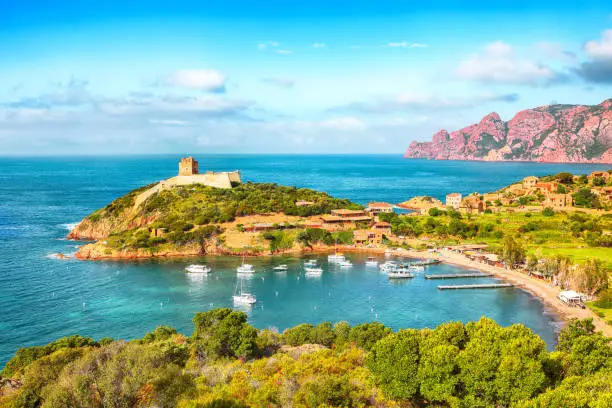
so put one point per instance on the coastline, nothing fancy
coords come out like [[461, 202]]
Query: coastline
[[538, 288], [541, 289]]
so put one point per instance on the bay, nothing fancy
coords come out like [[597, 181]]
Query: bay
[[42, 298]]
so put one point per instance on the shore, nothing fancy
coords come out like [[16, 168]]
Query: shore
[[537, 287]]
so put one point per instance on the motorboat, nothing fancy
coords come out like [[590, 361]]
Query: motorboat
[[371, 262], [199, 269], [416, 268], [245, 267], [346, 264], [313, 271], [282, 267], [388, 266], [310, 263], [337, 258], [400, 273]]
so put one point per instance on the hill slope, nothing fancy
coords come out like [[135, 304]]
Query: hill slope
[[554, 133]]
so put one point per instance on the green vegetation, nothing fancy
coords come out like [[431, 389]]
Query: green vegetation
[[228, 363], [576, 234], [190, 215]]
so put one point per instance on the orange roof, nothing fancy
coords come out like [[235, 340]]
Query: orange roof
[[382, 224], [347, 212]]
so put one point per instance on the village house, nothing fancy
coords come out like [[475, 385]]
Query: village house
[[529, 182], [473, 204], [377, 208], [453, 200], [365, 236], [343, 218], [383, 227], [547, 186], [558, 200]]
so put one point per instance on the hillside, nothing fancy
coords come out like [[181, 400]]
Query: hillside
[[188, 220], [554, 133], [228, 363]]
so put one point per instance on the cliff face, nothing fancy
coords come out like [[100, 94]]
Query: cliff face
[[555, 133]]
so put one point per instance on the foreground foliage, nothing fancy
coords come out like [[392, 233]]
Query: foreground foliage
[[228, 363]]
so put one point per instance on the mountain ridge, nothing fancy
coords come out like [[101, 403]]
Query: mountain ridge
[[558, 133]]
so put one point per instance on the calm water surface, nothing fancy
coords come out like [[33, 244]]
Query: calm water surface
[[42, 298]]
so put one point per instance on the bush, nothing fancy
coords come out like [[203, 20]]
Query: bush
[[548, 212]]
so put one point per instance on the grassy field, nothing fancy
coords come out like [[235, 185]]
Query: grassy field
[[606, 314], [561, 234]]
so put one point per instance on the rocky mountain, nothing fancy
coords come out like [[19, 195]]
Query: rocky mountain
[[554, 133]]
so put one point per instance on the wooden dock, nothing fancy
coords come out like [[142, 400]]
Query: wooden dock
[[458, 275], [482, 286]]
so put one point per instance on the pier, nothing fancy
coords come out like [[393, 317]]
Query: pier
[[458, 275], [481, 286]]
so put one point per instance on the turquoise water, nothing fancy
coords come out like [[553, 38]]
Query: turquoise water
[[42, 298]]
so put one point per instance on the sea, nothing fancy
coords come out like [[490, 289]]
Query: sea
[[43, 298]]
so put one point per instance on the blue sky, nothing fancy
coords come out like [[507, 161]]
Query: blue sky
[[271, 77]]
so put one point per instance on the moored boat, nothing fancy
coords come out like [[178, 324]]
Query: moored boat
[[371, 261], [282, 267], [198, 269]]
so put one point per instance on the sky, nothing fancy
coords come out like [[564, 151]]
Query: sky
[[148, 77]]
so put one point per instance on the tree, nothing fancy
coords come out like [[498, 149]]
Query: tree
[[394, 361], [585, 198], [575, 328], [565, 178], [592, 276], [365, 335], [599, 181], [298, 335], [548, 212], [223, 333], [513, 252]]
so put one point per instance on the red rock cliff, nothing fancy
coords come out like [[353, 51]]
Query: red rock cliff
[[555, 133]]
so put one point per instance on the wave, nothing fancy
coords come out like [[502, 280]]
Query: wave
[[69, 226]]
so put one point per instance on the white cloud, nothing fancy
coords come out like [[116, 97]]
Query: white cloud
[[267, 44], [556, 51], [600, 50], [280, 82], [415, 102], [499, 64], [283, 51], [318, 45], [405, 44], [345, 123], [168, 122], [200, 79]]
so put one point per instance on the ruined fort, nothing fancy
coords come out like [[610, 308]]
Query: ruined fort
[[188, 173]]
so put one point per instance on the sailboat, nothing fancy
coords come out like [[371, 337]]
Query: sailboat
[[243, 298], [336, 257], [245, 267]]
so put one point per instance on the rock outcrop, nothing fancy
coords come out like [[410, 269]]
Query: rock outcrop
[[554, 133]]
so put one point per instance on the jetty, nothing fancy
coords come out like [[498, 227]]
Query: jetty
[[481, 286], [423, 262], [458, 275]]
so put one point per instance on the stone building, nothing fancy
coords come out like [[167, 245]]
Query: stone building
[[453, 200], [188, 166], [559, 200], [529, 182]]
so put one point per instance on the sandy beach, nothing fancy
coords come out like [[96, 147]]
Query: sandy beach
[[537, 287]]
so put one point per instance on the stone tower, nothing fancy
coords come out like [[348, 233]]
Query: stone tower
[[188, 166]]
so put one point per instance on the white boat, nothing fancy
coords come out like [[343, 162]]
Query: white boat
[[281, 267], [200, 269], [416, 268], [388, 252], [346, 264], [371, 262], [243, 298], [337, 258], [400, 273], [313, 271], [310, 263], [388, 266], [245, 267]]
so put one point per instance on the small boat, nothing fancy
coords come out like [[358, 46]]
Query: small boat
[[416, 268], [337, 258], [310, 263], [346, 264], [388, 252], [281, 267], [313, 271], [245, 267], [200, 269], [371, 262], [388, 266], [400, 273], [244, 298]]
